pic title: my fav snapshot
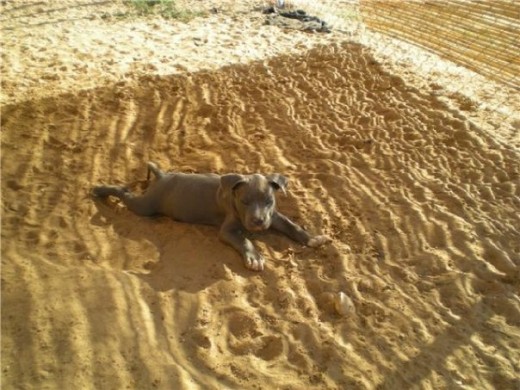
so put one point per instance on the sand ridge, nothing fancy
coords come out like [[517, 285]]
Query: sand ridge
[[422, 206]]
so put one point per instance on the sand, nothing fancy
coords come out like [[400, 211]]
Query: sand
[[422, 202]]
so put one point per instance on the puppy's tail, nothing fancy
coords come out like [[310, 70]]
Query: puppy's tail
[[152, 167]]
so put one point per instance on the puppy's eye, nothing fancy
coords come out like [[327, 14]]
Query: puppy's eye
[[268, 202], [245, 202]]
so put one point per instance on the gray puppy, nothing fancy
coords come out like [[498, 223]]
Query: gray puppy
[[236, 203]]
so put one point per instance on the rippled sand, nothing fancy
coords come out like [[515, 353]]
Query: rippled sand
[[422, 204]]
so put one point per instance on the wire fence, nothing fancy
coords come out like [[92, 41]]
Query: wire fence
[[483, 36]]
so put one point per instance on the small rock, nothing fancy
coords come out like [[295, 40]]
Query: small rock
[[286, 297], [343, 304]]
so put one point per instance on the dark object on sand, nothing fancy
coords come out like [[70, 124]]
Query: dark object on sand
[[303, 17], [269, 10], [309, 23], [300, 15]]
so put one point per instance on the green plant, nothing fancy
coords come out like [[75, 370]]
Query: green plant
[[167, 9]]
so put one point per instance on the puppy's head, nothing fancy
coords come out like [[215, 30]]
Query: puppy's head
[[253, 198]]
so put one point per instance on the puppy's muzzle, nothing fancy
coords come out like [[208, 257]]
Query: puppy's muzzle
[[257, 224]]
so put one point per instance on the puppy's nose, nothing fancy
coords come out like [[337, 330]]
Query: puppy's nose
[[258, 221]]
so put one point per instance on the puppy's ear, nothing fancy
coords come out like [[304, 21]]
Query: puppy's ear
[[278, 182], [231, 181]]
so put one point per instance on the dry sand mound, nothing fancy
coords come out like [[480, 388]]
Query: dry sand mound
[[422, 205]]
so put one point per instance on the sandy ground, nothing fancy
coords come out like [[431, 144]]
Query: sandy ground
[[421, 197]]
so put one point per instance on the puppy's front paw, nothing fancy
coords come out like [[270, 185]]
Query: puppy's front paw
[[99, 192], [317, 241], [254, 261]]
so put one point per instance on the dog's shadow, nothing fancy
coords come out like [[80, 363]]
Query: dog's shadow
[[190, 257]]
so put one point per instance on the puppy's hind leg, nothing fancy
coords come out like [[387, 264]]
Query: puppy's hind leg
[[152, 167], [140, 205]]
